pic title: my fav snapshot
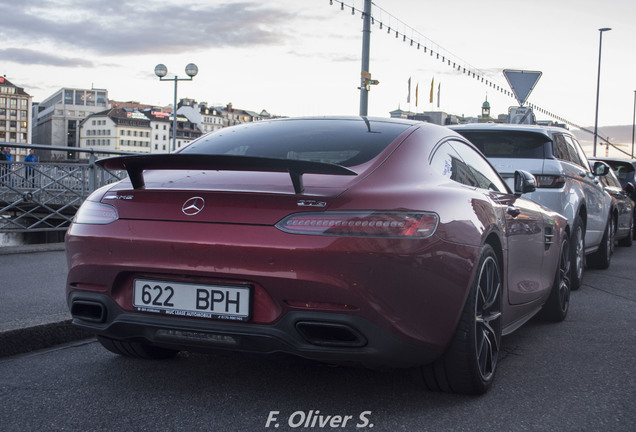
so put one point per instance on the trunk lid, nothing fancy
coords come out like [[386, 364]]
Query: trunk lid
[[219, 196]]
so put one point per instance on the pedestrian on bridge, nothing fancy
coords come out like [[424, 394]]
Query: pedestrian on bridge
[[5, 155], [28, 168]]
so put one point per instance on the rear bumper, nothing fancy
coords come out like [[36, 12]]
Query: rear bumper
[[397, 301], [325, 337]]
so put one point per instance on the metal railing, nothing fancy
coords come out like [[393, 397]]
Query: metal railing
[[44, 196]]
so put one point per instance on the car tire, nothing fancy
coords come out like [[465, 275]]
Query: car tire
[[556, 307], [602, 257], [468, 366], [577, 254], [136, 349], [627, 241]]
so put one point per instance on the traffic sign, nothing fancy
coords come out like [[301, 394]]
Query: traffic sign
[[521, 115], [522, 82]]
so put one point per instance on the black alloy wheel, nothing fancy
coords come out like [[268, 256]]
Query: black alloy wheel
[[558, 303], [577, 252], [469, 364], [488, 318]]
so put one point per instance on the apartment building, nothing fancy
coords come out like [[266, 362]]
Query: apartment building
[[160, 130], [116, 129], [208, 119], [187, 131], [233, 116], [15, 116]]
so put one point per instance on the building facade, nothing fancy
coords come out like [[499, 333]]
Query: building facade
[[435, 117], [187, 131], [15, 116], [233, 116], [208, 119], [160, 130], [116, 129], [58, 118]]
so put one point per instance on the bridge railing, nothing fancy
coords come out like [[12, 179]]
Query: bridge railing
[[44, 196]]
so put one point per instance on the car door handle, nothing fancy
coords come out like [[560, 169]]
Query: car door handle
[[513, 211]]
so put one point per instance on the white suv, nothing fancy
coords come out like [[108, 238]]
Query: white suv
[[565, 183]]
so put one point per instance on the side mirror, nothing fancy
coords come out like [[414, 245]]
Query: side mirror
[[524, 182], [630, 189], [600, 169]]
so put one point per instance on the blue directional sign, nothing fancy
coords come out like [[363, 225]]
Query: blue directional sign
[[522, 83]]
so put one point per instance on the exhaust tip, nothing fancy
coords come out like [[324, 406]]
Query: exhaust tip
[[330, 334], [88, 311]]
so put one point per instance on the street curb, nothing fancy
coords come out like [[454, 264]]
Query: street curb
[[32, 248], [29, 339]]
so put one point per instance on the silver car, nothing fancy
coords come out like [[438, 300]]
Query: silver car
[[566, 183]]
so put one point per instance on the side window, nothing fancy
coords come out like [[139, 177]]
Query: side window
[[560, 148], [481, 170], [447, 163], [574, 154], [584, 162]]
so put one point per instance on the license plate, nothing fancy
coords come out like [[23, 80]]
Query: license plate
[[228, 302]]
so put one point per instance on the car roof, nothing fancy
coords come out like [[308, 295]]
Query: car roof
[[482, 127]]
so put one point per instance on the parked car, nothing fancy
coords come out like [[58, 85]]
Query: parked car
[[566, 183], [384, 242], [621, 184], [625, 169]]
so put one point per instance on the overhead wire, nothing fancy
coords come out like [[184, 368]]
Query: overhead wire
[[420, 41]]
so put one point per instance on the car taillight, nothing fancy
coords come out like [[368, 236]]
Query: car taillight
[[550, 181], [362, 224], [91, 212]]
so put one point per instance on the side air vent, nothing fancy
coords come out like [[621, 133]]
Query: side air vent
[[549, 237]]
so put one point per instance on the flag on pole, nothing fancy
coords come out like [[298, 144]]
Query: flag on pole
[[439, 88], [417, 86], [408, 96], [432, 86]]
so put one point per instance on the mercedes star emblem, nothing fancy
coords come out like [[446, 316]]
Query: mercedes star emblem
[[193, 206]]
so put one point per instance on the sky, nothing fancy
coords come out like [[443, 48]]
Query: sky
[[303, 57]]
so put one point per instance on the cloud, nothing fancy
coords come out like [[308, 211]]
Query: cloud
[[337, 58], [32, 57], [132, 28]]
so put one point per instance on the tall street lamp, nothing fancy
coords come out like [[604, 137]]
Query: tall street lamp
[[633, 124], [161, 71], [598, 84]]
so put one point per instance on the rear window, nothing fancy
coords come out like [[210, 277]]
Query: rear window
[[346, 142], [508, 144]]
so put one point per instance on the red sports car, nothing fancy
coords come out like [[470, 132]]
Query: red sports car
[[382, 242]]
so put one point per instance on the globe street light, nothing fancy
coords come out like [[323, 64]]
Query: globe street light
[[161, 71], [598, 84]]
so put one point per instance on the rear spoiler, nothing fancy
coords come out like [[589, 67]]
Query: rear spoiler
[[135, 166]]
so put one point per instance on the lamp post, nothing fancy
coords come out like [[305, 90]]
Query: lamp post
[[366, 43], [161, 71], [598, 83], [633, 124]]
